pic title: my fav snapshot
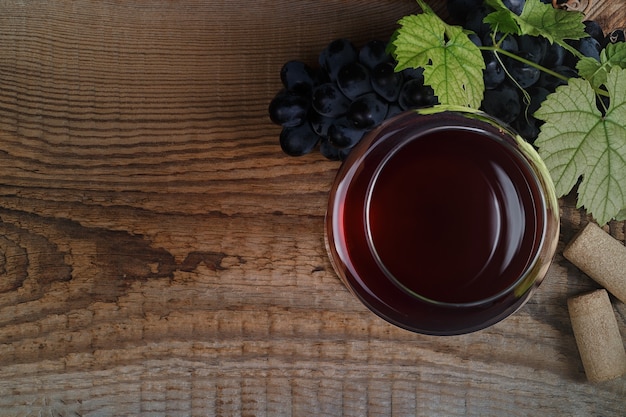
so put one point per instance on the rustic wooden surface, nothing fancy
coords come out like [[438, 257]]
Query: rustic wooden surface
[[160, 256]]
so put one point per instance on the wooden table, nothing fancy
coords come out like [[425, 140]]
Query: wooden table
[[160, 256]]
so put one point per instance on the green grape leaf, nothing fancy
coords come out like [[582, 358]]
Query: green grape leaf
[[540, 19], [502, 19], [537, 19], [453, 64], [577, 140], [592, 70], [621, 215], [614, 55]]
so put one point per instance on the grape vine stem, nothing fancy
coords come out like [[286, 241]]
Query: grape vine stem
[[498, 50]]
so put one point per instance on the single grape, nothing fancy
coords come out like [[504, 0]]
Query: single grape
[[493, 74], [525, 75], [535, 46], [298, 140], [413, 74], [502, 102], [353, 80], [554, 56], [594, 30], [319, 123], [298, 77], [374, 53], [329, 101], [367, 111], [589, 47], [342, 133], [329, 151], [386, 81], [288, 109], [475, 39], [527, 127], [516, 6], [337, 54], [415, 94]]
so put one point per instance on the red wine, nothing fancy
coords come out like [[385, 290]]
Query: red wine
[[442, 223], [452, 218]]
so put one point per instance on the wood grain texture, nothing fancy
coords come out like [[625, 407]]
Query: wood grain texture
[[160, 256]]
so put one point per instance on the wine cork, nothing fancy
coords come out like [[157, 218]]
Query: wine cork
[[597, 336], [600, 256]]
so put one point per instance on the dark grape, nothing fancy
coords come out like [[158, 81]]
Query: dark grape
[[298, 77], [554, 56], [298, 140], [386, 81], [367, 111], [319, 123], [413, 74], [594, 30], [493, 74], [329, 151], [288, 109], [374, 53], [534, 46], [525, 75], [502, 102], [415, 94], [354, 90], [337, 54], [329, 101], [475, 39], [527, 127], [342, 133], [537, 96], [516, 6], [589, 47], [353, 80]]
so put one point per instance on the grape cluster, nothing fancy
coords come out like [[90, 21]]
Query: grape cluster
[[514, 97], [352, 90]]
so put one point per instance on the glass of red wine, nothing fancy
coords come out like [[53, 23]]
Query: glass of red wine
[[442, 221]]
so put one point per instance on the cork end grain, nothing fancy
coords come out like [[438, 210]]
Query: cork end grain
[[597, 336]]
